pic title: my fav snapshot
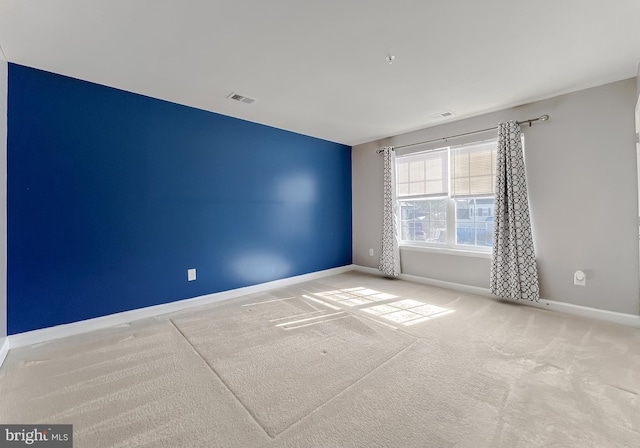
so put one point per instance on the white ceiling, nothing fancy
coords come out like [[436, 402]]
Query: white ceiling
[[318, 67]]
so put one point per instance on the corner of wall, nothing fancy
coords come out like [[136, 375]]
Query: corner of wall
[[4, 78], [638, 81], [4, 349]]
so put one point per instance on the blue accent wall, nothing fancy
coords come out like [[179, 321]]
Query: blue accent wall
[[112, 196]]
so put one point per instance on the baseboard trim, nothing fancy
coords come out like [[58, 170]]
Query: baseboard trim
[[630, 320], [430, 281], [4, 349], [75, 328], [85, 326]]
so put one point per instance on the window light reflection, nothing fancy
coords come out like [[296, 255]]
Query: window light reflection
[[406, 311]]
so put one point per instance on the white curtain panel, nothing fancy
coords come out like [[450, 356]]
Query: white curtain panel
[[514, 274], [390, 253]]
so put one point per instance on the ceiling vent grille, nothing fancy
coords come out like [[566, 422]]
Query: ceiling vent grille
[[441, 116], [241, 98]]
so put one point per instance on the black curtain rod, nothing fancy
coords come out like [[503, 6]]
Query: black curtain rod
[[544, 117]]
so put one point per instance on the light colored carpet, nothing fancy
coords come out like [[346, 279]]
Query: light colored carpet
[[134, 386], [284, 358], [347, 361]]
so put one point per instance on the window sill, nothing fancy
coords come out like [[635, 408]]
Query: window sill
[[446, 251]]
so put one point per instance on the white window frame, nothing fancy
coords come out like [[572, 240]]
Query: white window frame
[[450, 246]]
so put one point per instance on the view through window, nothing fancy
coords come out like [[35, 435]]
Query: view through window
[[446, 196]]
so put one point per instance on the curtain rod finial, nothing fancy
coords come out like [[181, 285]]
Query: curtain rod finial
[[544, 117]]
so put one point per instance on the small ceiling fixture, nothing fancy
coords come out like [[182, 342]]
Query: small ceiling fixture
[[441, 115], [241, 98], [390, 58]]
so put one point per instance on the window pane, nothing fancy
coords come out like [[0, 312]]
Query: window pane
[[480, 163], [435, 168], [438, 210], [473, 169], [460, 164], [402, 173], [473, 226], [427, 173], [423, 181], [433, 187], [416, 170], [461, 186], [416, 188], [480, 184], [424, 220]]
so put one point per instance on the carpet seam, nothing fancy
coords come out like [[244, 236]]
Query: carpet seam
[[221, 380], [343, 391]]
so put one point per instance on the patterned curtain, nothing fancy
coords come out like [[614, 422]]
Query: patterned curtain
[[390, 253], [514, 274]]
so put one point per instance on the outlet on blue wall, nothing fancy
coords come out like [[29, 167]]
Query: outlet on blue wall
[[112, 196]]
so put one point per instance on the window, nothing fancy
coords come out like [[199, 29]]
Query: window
[[446, 196]]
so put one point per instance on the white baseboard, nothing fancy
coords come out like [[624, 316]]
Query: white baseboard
[[430, 281], [448, 285], [84, 326], [75, 328], [630, 320], [4, 349]]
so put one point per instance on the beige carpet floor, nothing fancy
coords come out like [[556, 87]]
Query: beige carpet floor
[[351, 360]]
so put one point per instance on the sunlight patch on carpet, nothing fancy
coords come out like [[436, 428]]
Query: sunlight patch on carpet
[[355, 296], [407, 312], [283, 359]]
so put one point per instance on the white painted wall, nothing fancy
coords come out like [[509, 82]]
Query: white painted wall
[[3, 196], [583, 191]]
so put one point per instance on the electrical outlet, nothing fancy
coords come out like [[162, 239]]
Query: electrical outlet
[[371, 252], [191, 275], [579, 278]]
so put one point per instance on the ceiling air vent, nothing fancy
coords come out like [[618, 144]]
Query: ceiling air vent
[[441, 116], [241, 98]]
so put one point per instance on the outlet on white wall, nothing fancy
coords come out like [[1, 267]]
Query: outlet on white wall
[[579, 278], [371, 252], [191, 274]]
